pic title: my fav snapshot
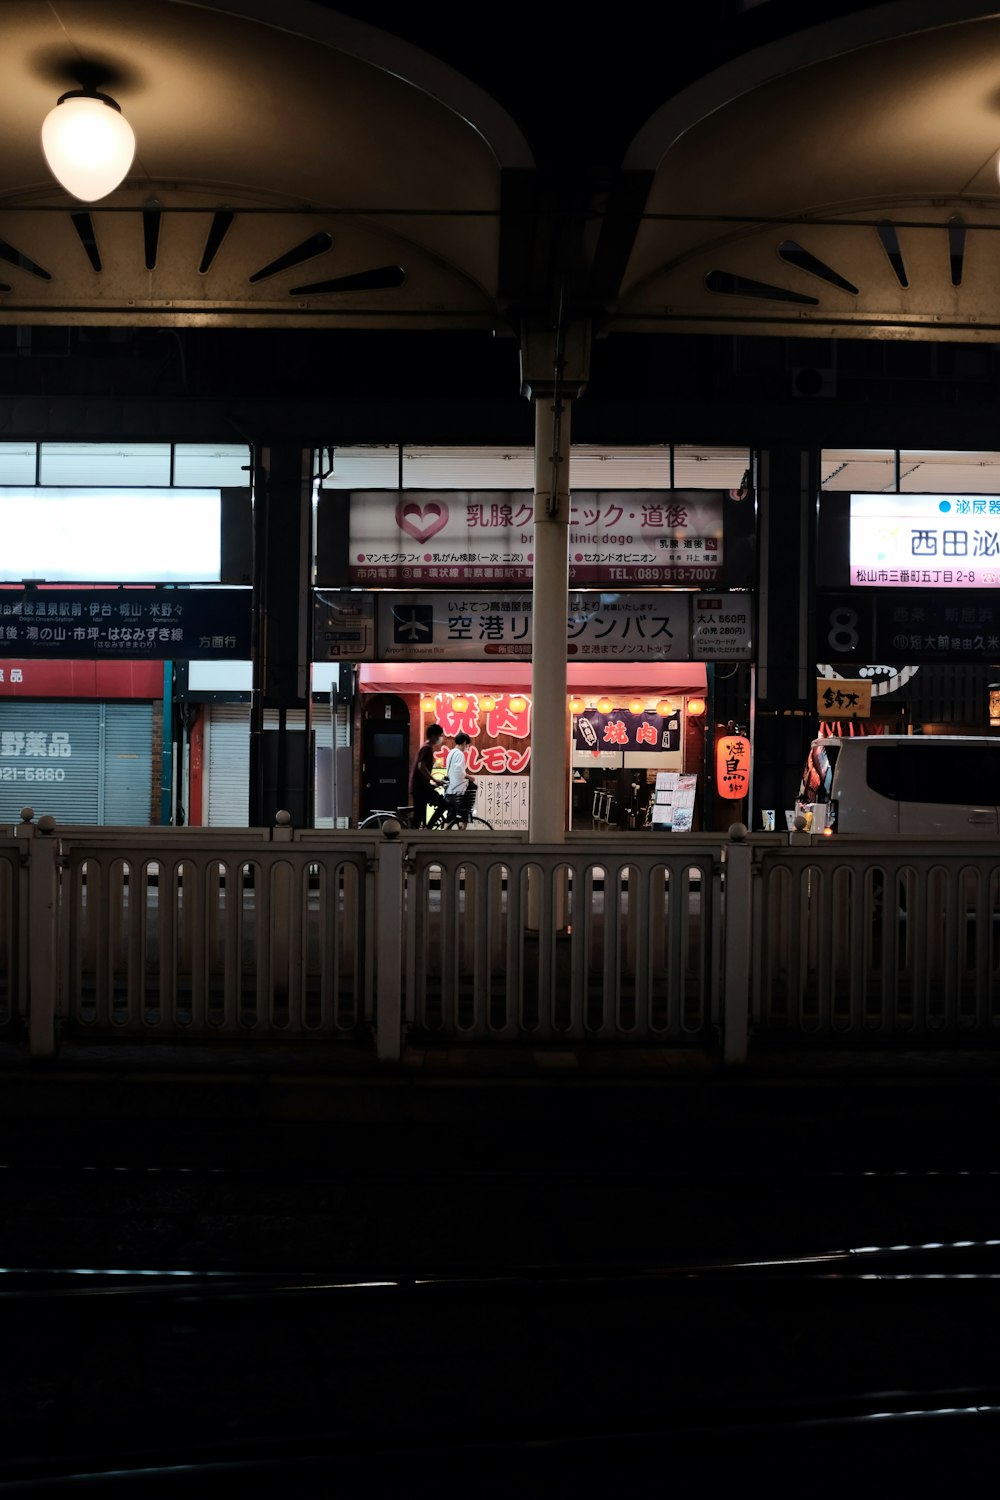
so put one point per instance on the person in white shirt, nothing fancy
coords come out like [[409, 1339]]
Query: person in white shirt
[[460, 790]]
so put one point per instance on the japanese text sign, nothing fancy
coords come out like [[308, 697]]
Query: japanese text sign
[[842, 698], [463, 626], [484, 537], [732, 765], [161, 624], [620, 730], [721, 627], [925, 541]]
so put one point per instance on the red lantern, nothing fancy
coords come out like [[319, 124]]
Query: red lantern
[[732, 765]]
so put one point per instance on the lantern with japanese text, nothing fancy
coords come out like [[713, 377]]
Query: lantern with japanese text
[[732, 765]]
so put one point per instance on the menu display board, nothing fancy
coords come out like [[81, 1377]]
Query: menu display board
[[673, 801]]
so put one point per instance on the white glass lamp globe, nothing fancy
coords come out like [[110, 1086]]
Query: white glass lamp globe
[[88, 144]]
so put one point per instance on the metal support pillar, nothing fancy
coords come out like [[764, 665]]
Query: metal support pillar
[[281, 760], [549, 608], [784, 694]]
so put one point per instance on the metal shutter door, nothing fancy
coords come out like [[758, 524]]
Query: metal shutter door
[[128, 763], [227, 758], [50, 760]]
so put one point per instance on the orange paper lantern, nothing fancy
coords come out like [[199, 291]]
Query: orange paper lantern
[[732, 766]]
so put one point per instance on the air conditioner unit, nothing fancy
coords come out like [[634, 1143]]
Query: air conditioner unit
[[812, 381]]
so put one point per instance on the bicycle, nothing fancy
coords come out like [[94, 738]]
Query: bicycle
[[404, 817]]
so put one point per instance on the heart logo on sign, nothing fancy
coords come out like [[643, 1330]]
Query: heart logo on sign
[[421, 521]]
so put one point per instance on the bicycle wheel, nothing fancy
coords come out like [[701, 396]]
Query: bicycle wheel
[[480, 823], [373, 820], [378, 817]]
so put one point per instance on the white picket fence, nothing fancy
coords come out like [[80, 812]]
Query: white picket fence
[[679, 940]]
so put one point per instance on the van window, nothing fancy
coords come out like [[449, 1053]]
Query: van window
[[880, 771], [925, 772]]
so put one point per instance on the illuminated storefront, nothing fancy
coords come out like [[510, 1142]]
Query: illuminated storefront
[[623, 725]]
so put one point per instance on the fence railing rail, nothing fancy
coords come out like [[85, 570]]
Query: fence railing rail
[[708, 941]]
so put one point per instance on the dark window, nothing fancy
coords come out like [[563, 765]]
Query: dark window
[[961, 775], [386, 744], [882, 770]]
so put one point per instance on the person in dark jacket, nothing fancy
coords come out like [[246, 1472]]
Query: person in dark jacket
[[423, 793]]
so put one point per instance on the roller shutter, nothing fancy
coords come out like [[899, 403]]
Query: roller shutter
[[227, 756], [128, 763], [227, 759], [87, 763]]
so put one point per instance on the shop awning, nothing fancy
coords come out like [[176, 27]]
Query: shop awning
[[581, 677]]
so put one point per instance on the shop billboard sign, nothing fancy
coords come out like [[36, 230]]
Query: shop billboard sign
[[620, 729], [925, 541], [844, 698], [98, 623], [463, 626], [917, 627], [483, 538], [343, 626], [722, 627]]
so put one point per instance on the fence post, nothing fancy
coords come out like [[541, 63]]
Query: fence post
[[389, 945], [737, 929], [281, 939], [43, 934]]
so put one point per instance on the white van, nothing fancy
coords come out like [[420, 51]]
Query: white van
[[917, 786]]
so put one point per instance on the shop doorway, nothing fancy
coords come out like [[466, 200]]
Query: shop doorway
[[385, 755]]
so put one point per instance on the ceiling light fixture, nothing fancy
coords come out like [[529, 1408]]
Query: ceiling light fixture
[[88, 144]]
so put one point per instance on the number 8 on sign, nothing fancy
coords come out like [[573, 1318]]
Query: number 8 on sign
[[843, 633]]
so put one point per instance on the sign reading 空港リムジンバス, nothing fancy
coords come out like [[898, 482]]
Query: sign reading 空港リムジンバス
[[468, 626]]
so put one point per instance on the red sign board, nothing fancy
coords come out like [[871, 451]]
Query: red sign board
[[81, 679]]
